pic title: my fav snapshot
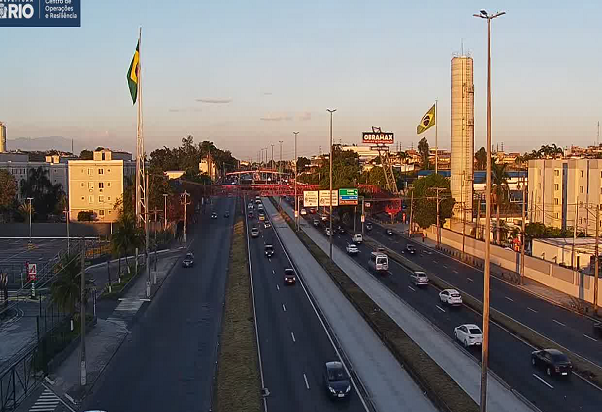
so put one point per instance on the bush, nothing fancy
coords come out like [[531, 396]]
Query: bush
[[86, 216]]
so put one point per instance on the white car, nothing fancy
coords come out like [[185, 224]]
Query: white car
[[469, 335], [419, 278], [450, 296], [357, 238], [352, 249], [327, 231], [250, 207], [303, 212]]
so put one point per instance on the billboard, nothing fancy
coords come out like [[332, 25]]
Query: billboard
[[310, 198], [334, 198], [377, 137], [348, 197]]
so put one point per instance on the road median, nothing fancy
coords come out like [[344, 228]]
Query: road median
[[582, 366], [238, 383], [440, 388]]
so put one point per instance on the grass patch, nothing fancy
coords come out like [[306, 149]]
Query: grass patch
[[438, 385], [117, 288], [238, 384], [581, 365]]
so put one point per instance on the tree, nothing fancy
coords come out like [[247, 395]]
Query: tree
[[8, 191], [423, 149], [481, 158], [65, 291], [302, 164], [425, 202], [345, 172], [44, 194], [499, 189], [127, 236], [86, 154]]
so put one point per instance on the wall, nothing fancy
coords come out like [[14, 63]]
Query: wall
[[559, 278]]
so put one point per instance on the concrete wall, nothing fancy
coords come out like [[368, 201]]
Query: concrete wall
[[56, 229], [562, 279]]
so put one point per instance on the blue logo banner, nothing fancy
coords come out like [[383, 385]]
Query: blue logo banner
[[40, 13]]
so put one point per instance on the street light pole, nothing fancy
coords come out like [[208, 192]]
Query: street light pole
[[331, 111], [296, 199], [30, 207], [280, 162], [67, 222], [522, 238], [165, 212], [485, 346]]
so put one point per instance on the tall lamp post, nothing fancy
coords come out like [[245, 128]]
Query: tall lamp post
[[485, 346], [331, 111], [30, 210], [165, 212], [296, 199]]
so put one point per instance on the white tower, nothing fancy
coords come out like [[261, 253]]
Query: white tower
[[462, 135], [2, 137]]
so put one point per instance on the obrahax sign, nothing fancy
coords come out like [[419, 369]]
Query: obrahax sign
[[40, 13]]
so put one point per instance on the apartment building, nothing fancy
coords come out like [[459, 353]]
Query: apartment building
[[96, 185], [565, 192]]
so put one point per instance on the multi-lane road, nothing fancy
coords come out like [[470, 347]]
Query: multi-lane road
[[509, 356], [168, 361], [294, 343]]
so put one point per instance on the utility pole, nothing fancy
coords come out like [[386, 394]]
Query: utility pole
[[436, 141], [597, 261], [463, 215], [280, 163], [296, 198], [331, 111], [522, 237], [147, 236], [411, 213], [165, 211], [272, 156], [437, 190], [363, 218], [185, 203], [82, 315], [485, 346]]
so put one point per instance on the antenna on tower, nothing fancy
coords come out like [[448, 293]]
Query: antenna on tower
[[462, 46], [598, 135]]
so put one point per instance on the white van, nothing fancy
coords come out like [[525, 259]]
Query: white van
[[357, 238], [379, 262]]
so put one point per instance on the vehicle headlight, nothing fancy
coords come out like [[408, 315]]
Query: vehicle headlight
[[331, 389], [348, 389]]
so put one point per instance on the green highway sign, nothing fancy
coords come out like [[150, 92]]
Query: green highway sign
[[348, 197]]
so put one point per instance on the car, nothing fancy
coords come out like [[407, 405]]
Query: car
[[250, 207], [324, 218], [316, 222], [368, 226], [419, 278], [188, 261], [336, 380], [290, 277], [214, 215], [410, 249], [450, 296], [327, 231], [254, 232], [250, 215], [357, 238], [227, 213], [389, 232], [352, 249], [303, 212], [341, 230], [597, 329], [312, 210], [261, 217], [469, 335], [267, 225], [269, 250], [552, 361]]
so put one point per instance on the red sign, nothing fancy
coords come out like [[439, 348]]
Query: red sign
[[32, 271]]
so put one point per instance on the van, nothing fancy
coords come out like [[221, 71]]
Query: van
[[357, 238], [379, 262]]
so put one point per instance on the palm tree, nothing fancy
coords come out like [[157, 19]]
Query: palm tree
[[126, 237], [500, 188], [66, 289]]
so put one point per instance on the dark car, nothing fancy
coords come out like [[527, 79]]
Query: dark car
[[598, 329], [336, 380], [316, 222], [410, 249], [290, 277], [269, 250], [368, 226], [389, 232], [226, 213], [341, 230], [254, 232], [188, 261], [552, 361], [250, 215], [214, 215]]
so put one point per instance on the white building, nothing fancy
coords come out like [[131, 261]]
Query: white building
[[18, 165], [560, 250], [2, 137]]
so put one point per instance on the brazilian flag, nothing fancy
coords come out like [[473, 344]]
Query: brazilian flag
[[428, 120], [133, 72]]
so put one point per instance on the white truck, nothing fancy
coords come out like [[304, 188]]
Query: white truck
[[379, 263]]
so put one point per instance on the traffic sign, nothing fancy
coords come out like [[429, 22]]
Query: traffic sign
[[310, 198], [323, 198], [348, 197], [32, 271]]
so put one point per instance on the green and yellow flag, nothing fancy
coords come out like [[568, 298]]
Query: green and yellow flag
[[428, 120], [132, 75]]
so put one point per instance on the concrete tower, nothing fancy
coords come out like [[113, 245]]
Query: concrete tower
[[2, 137], [462, 134]]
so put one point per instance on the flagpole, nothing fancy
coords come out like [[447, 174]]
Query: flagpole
[[137, 207], [436, 140]]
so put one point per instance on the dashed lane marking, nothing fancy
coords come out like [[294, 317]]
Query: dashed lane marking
[[283, 307], [47, 402], [469, 279], [532, 310], [412, 288], [543, 381], [589, 337], [560, 323], [293, 336], [306, 382], [510, 299], [440, 308]]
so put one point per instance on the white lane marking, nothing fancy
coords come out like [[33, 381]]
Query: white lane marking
[[277, 287], [445, 266], [293, 336], [510, 299], [306, 382], [455, 271], [543, 381], [434, 261], [561, 324], [273, 272], [532, 310], [284, 307], [440, 308], [589, 337], [469, 279], [412, 288]]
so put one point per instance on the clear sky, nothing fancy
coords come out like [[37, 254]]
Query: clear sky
[[267, 68]]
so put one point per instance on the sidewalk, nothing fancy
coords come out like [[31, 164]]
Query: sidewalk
[[106, 337], [533, 287], [448, 356]]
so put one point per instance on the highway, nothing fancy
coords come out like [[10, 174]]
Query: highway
[[294, 345], [509, 356], [167, 363]]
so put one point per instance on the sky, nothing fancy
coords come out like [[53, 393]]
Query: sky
[[246, 74]]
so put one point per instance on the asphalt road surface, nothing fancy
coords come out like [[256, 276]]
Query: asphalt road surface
[[168, 361], [294, 344], [509, 356]]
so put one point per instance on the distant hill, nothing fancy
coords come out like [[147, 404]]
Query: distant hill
[[43, 143]]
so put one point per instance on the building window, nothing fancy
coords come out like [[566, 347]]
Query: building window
[[90, 185], [82, 184], [581, 187], [89, 172], [580, 220], [101, 199], [108, 170], [101, 185], [108, 198], [90, 199], [556, 201], [556, 186], [557, 215], [83, 198], [101, 171], [101, 212], [108, 184], [556, 172], [82, 170], [582, 173]]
